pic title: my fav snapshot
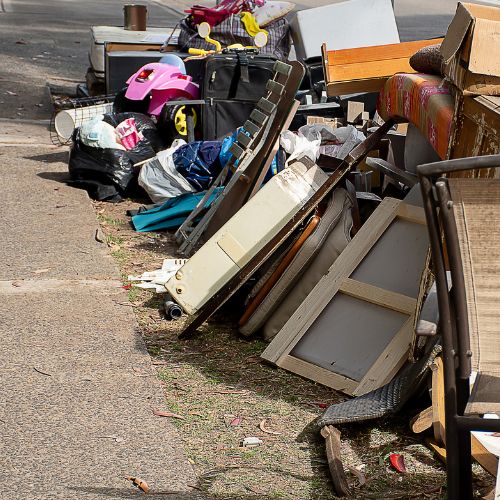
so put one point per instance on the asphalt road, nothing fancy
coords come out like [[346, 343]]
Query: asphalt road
[[48, 41]]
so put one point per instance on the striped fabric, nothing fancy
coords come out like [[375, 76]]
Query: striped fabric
[[423, 100], [232, 30]]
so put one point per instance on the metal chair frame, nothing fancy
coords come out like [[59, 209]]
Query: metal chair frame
[[453, 322]]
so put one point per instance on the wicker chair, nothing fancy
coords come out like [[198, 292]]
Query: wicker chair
[[463, 218]]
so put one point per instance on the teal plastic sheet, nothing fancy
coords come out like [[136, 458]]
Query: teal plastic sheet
[[171, 214]]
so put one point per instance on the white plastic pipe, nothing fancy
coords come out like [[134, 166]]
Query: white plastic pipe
[[68, 119]]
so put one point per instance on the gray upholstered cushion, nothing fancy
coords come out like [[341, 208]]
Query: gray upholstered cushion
[[310, 263]]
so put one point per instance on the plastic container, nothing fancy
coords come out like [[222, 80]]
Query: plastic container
[[135, 17], [67, 120]]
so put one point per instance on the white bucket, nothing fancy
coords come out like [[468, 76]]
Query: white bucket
[[67, 120]]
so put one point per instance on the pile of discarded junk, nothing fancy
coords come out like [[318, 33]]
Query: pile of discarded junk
[[340, 186]]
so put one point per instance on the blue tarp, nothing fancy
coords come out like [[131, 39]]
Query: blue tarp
[[170, 214]]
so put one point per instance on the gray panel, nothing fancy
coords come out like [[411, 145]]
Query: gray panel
[[396, 261], [348, 336]]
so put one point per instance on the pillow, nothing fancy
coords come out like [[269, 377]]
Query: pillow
[[272, 11], [428, 60]]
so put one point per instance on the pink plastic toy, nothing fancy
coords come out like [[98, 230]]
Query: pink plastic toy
[[164, 82]]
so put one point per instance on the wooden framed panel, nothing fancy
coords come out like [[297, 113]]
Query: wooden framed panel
[[365, 69], [354, 330]]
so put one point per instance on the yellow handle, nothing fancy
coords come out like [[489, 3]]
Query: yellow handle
[[200, 52], [218, 46]]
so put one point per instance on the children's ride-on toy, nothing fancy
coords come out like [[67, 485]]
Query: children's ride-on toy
[[153, 86]]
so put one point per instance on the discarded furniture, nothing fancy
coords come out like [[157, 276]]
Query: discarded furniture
[[434, 417], [251, 156], [462, 216], [301, 268], [366, 69], [476, 128], [118, 38], [342, 25], [244, 235], [248, 268], [422, 100], [354, 330]]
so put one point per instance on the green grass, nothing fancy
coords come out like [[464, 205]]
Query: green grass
[[114, 240], [108, 220]]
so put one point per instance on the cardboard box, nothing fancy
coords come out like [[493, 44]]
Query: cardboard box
[[471, 49]]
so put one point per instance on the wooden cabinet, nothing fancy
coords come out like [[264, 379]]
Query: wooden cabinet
[[476, 129]]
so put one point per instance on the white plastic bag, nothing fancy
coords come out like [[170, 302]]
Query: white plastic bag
[[298, 146], [99, 134], [159, 177]]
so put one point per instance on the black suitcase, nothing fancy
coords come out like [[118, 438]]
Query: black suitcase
[[231, 86]]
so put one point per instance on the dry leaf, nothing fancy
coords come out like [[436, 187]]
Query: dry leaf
[[361, 477], [253, 359], [236, 421], [262, 427], [118, 439], [397, 461], [41, 271], [16, 283], [160, 413], [196, 413], [140, 483], [319, 404], [138, 372], [229, 392]]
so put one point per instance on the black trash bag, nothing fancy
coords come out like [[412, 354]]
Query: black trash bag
[[109, 169], [144, 124]]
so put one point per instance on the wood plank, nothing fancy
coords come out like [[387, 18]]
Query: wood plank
[[372, 69], [438, 419], [379, 296], [389, 362], [422, 421], [377, 52], [483, 457], [317, 374], [439, 450], [328, 286], [412, 213], [334, 457], [355, 86]]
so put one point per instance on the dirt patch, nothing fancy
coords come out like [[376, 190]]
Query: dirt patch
[[224, 393]]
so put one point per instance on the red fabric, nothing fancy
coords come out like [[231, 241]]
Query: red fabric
[[423, 100]]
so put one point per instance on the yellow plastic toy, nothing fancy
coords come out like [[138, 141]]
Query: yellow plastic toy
[[251, 24], [260, 39]]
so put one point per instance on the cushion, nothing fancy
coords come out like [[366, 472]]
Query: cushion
[[272, 11], [310, 263], [422, 99], [428, 60]]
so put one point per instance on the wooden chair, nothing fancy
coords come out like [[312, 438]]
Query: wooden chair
[[463, 219]]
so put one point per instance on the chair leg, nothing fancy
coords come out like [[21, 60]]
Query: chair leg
[[464, 440], [464, 463]]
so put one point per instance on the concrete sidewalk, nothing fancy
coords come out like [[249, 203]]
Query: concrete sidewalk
[[78, 387]]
